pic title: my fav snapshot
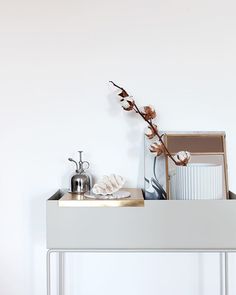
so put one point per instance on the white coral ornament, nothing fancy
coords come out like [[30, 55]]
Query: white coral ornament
[[108, 185]]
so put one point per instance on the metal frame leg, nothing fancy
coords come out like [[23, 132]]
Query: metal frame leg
[[61, 276], [61, 258], [224, 273], [48, 272], [224, 267]]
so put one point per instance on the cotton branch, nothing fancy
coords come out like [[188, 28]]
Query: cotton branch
[[148, 114]]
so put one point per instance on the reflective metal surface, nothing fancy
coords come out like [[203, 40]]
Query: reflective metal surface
[[80, 181]]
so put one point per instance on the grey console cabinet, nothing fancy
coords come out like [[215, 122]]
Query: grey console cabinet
[[167, 225], [172, 225]]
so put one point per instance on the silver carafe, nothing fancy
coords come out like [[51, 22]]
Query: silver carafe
[[80, 181]]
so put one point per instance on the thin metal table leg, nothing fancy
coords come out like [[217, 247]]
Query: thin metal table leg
[[224, 268], [48, 272], [224, 272], [61, 277]]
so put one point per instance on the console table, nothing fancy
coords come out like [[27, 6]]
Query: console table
[[159, 226]]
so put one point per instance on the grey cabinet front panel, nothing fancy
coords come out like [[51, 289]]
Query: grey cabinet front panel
[[179, 225]]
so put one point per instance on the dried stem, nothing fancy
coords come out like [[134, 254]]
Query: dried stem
[[149, 122], [157, 134], [123, 91]]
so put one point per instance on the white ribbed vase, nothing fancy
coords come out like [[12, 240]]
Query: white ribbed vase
[[198, 181]]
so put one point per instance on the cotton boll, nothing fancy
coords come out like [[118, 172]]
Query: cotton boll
[[150, 133], [182, 157], [127, 103], [157, 148], [149, 112]]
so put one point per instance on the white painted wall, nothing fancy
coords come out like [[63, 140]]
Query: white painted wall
[[55, 60]]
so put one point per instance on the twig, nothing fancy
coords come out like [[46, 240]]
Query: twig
[[157, 134], [137, 110]]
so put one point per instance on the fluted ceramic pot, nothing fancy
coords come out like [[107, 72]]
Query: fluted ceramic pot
[[198, 181]]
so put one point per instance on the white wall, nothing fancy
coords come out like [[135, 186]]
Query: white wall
[[55, 60]]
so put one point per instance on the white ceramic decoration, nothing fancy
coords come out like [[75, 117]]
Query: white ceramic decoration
[[108, 185], [197, 181], [115, 196]]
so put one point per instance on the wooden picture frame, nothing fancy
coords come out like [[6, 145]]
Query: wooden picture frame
[[206, 147]]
